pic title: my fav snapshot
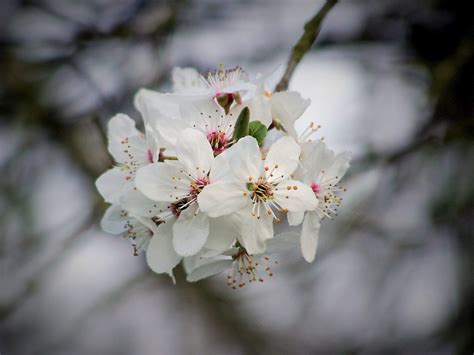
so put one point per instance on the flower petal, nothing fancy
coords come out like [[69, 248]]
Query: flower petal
[[113, 184], [314, 158], [190, 232], [246, 159], [310, 236], [221, 167], [161, 112], [295, 218], [222, 233], [114, 220], [272, 78], [254, 232], [195, 152], [209, 269], [260, 109], [186, 80], [160, 254], [222, 198], [287, 107], [338, 168], [162, 182], [121, 131], [203, 114], [282, 158], [138, 205], [295, 196]]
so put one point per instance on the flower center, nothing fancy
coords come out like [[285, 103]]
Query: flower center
[[179, 206], [315, 187], [246, 268], [197, 186], [261, 191], [149, 155], [222, 78], [218, 141], [261, 194]]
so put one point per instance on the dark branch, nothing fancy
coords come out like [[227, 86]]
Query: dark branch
[[311, 31]]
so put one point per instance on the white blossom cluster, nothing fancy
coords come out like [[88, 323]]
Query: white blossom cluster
[[219, 164]]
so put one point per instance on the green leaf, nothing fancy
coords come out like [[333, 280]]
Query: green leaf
[[242, 125], [258, 130]]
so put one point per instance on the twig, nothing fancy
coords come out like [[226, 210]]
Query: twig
[[311, 32]]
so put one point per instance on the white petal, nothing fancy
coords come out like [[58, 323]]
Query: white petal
[[186, 80], [310, 236], [295, 218], [114, 220], [222, 198], [246, 159], [121, 131], [209, 269], [161, 112], [142, 236], [203, 114], [284, 154], [314, 158], [272, 136], [295, 196], [222, 233], [338, 168], [287, 107], [245, 88], [254, 232], [272, 78], [260, 109], [113, 184], [195, 152], [156, 182], [138, 205], [221, 167], [160, 254], [191, 262], [190, 232]]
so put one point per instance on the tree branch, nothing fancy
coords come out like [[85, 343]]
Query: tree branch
[[311, 32]]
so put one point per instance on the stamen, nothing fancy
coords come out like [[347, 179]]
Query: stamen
[[246, 268]]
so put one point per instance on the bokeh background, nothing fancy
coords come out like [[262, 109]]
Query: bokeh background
[[391, 81]]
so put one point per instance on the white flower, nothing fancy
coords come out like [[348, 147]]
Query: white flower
[[207, 196], [322, 170], [169, 117], [179, 183], [188, 83], [117, 221], [131, 150], [242, 266], [258, 188], [142, 221], [284, 107], [228, 81]]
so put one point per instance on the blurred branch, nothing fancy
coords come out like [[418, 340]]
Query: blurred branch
[[111, 298], [311, 32], [35, 282]]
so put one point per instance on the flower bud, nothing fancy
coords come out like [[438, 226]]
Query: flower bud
[[225, 101]]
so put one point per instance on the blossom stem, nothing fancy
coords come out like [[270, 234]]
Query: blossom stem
[[311, 32], [169, 157]]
